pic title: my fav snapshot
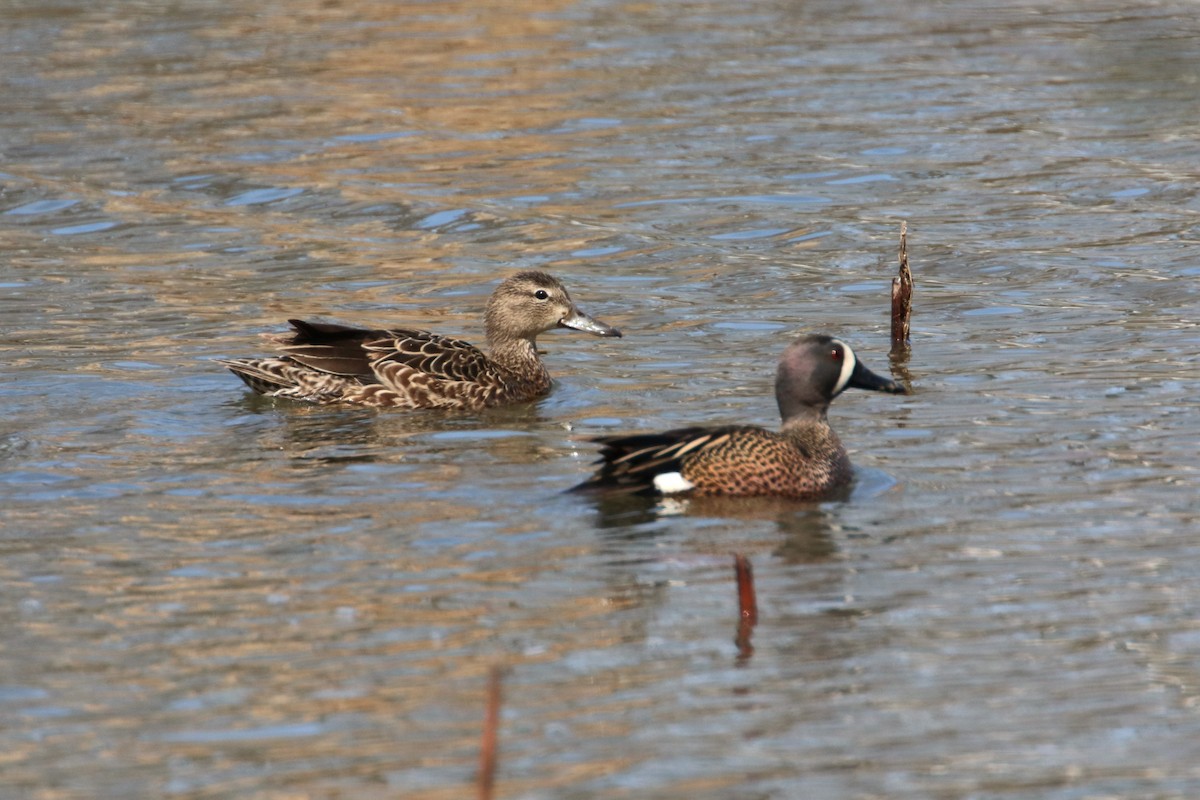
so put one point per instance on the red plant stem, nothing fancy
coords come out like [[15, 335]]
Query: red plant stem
[[747, 601], [747, 605], [491, 732]]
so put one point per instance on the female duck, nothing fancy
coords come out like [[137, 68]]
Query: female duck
[[405, 368]]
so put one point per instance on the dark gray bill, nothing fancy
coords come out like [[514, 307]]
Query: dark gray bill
[[582, 322], [863, 378]]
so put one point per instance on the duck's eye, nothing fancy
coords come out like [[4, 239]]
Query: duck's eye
[[541, 294], [836, 354]]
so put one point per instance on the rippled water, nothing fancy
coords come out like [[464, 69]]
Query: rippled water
[[209, 595]]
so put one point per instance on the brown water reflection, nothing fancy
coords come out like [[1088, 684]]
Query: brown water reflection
[[207, 595]]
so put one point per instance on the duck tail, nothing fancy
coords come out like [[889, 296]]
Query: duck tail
[[263, 375]]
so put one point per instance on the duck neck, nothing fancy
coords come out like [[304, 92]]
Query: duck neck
[[812, 434], [802, 415], [518, 355]]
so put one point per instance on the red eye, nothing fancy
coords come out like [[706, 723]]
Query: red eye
[[835, 354]]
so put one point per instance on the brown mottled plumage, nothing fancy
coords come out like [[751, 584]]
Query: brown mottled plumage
[[404, 368], [805, 460]]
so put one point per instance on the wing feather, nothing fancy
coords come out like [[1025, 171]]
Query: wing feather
[[358, 352], [632, 462], [442, 357]]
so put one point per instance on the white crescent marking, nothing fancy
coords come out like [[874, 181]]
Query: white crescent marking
[[848, 363]]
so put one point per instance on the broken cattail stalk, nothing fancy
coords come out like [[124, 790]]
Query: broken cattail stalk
[[902, 289]]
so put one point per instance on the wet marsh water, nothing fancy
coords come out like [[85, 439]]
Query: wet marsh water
[[209, 595]]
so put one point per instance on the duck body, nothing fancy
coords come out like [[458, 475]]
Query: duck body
[[805, 460], [738, 461], [326, 363]]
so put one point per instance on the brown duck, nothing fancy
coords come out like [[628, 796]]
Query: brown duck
[[405, 368], [805, 460]]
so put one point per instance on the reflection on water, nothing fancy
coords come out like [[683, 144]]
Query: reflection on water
[[209, 594], [805, 530]]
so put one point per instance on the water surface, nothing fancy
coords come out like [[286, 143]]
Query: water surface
[[209, 595]]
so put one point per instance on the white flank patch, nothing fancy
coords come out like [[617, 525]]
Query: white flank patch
[[848, 363], [672, 483]]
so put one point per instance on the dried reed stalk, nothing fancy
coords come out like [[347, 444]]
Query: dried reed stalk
[[902, 289]]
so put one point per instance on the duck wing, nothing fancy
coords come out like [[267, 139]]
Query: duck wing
[[327, 347], [633, 462], [361, 352], [440, 357]]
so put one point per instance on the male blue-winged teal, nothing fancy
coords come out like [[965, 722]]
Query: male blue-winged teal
[[405, 368], [805, 460]]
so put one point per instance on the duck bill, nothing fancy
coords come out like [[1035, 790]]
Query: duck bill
[[863, 378], [582, 322]]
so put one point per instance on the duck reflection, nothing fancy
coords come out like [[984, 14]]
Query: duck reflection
[[807, 528], [335, 435]]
